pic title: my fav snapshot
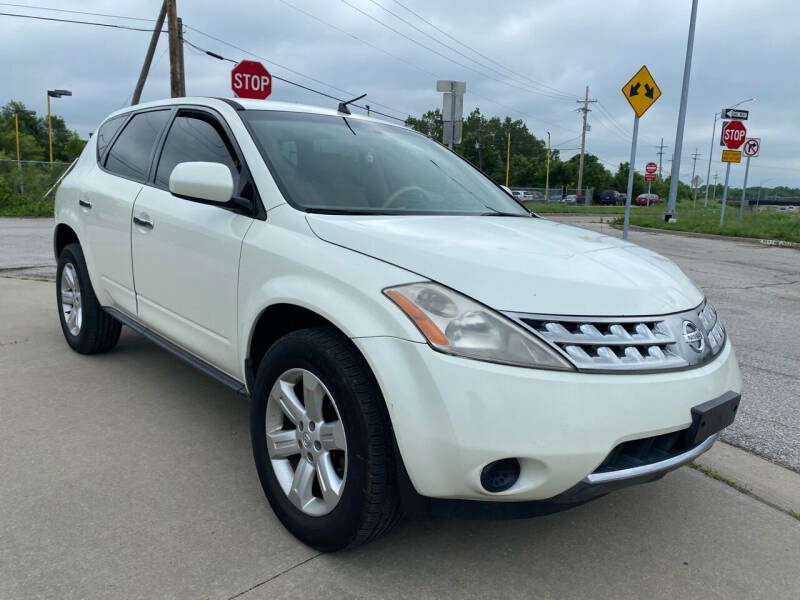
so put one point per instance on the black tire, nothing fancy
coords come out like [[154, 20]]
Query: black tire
[[369, 504], [99, 331]]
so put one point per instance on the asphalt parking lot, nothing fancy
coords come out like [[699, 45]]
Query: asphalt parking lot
[[130, 475]]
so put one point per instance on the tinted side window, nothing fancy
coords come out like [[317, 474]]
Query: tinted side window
[[130, 154], [106, 133], [195, 138]]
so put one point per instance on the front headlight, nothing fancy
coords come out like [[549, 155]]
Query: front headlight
[[454, 324], [715, 330]]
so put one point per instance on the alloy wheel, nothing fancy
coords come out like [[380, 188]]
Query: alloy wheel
[[306, 442], [71, 299]]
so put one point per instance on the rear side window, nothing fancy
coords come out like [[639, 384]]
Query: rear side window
[[106, 133], [130, 154], [194, 138]]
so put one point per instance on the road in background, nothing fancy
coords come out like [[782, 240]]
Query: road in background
[[130, 475], [26, 247], [756, 289]]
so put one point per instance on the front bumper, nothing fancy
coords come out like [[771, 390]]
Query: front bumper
[[452, 416]]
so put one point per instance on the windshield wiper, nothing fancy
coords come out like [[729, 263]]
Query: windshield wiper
[[497, 213]]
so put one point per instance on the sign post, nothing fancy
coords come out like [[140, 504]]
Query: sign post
[[751, 149], [641, 92], [733, 136], [452, 109]]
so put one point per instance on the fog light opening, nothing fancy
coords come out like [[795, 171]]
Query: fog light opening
[[500, 475]]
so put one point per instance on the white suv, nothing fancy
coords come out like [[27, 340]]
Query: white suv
[[413, 340]]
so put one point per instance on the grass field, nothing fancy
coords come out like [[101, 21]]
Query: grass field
[[771, 225], [20, 206]]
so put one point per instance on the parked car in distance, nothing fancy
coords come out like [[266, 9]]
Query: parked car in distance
[[518, 194], [570, 199], [647, 199], [610, 198], [411, 338]]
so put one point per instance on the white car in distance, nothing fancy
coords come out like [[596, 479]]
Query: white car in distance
[[413, 340]]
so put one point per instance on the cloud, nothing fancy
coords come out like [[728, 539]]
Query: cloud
[[742, 49]]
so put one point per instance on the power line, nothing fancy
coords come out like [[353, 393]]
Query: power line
[[4, 14], [240, 49], [75, 12], [443, 32], [546, 93], [294, 83], [429, 49], [347, 33], [435, 75]]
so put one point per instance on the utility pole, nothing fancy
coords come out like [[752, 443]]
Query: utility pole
[[585, 110], [180, 56], [660, 153], [716, 176], [177, 83], [148, 57], [694, 164]]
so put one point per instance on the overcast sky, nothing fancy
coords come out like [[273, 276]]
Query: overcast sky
[[743, 48]]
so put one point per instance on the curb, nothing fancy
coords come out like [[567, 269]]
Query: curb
[[750, 474]]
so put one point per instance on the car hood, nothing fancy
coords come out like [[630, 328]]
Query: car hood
[[520, 264]]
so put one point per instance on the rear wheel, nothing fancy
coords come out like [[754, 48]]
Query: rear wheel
[[87, 328], [322, 442]]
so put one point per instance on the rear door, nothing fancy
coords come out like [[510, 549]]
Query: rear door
[[186, 253], [125, 147]]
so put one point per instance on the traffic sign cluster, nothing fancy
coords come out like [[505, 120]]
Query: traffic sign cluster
[[733, 137]]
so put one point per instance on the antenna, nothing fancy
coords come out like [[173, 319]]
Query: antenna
[[343, 105]]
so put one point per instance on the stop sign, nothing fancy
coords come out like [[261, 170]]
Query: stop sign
[[733, 134], [650, 167], [250, 79]]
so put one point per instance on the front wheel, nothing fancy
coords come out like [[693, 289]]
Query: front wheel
[[322, 441]]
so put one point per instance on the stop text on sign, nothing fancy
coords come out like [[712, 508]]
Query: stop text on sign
[[255, 83], [250, 79]]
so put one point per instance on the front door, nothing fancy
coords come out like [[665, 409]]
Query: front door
[[186, 253]]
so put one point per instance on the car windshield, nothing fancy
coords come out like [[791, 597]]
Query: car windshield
[[326, 163]]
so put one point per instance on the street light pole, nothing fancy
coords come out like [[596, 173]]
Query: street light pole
[[53, 94], [19, 154], [49, 128], [547, 171], [676, 155], [710, 158]]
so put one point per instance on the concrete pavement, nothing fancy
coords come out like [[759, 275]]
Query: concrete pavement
[[129, 475], [756, 288]]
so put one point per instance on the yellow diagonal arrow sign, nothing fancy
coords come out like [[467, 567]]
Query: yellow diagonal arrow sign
[[641, 91]]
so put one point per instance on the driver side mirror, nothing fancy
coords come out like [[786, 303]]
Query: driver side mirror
[[205, 181]]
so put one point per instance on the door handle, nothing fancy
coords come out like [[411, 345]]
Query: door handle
[[84, 203], [142, 222]]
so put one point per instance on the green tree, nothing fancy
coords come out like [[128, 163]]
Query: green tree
[[34, 143]]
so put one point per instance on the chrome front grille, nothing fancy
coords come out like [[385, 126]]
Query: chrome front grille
[[614, 344]]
